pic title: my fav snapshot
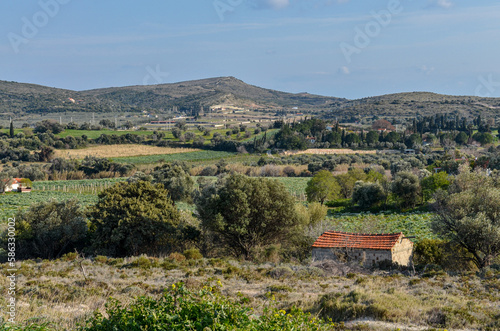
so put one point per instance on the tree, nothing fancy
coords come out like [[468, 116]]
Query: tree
[[176, 132], [5, 180], [349, 179], [483, 138], [46, 154], [50, 229], [181, 125], [245, 212], [367, 195], [48, 126], [413, 140], [432, 183], [107, 123], [352, 138], [383, 124], [461, 138], [132, 219], [469, 215], [406, 188], [11, 129], [176, 179], [372, 137], [393, 137], [322, 187]]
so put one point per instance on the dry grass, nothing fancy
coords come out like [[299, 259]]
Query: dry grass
[[58, 291], [120, 151], [328, 151]]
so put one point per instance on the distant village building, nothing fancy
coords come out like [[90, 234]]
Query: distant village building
[[367, 249]]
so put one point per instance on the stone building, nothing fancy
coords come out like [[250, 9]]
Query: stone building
[[368, 249]]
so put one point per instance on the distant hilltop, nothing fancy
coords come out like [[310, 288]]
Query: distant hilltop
[[230, 92]]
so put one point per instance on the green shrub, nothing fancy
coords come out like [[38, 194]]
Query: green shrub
[[50, 229], [177, 257], [101, 259], [193, 254], [182, 309]]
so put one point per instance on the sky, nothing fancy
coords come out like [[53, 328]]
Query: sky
[[342, 48]]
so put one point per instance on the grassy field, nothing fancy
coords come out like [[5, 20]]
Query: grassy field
[[111, 151], [59, 293]]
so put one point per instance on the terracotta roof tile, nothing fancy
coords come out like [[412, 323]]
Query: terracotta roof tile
[[333, 239]]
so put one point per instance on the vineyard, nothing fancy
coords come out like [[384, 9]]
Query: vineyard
[[84, 190]]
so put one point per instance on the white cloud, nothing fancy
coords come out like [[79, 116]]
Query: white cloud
[[446, 4], [278, 4], [426, 70], [344, 70], [271, 4]]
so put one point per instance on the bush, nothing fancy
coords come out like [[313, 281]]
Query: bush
[[177, 257], [50, 229], [192, 254], [134, 218], [181, 309]]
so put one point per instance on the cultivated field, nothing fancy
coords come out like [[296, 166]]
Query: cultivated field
[[121, 151], [328, 151]]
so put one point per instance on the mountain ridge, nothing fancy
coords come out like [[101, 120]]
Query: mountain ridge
[[19, 98]]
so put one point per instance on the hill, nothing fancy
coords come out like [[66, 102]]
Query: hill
[[210, 92], [19, 98], [419, 103]]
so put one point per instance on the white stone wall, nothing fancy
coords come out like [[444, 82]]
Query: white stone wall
[[402, 252]]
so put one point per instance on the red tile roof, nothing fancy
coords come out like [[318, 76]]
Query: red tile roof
[[333, 239]]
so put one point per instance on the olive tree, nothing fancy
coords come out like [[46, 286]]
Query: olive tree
[[245, 212], [367, 195], [322, 187], [469, 215], [406, 189], [134, 218], [176, 179], [50, 229]]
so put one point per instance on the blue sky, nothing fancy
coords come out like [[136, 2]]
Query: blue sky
[[342, 48]]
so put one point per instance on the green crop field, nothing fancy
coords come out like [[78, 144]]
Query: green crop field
[[97, 133], [187, 157], [83, 190]]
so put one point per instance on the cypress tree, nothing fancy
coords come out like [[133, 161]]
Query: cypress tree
[[11, 130]]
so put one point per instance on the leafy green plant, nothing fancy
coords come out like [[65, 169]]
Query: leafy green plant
[[182, 309]]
